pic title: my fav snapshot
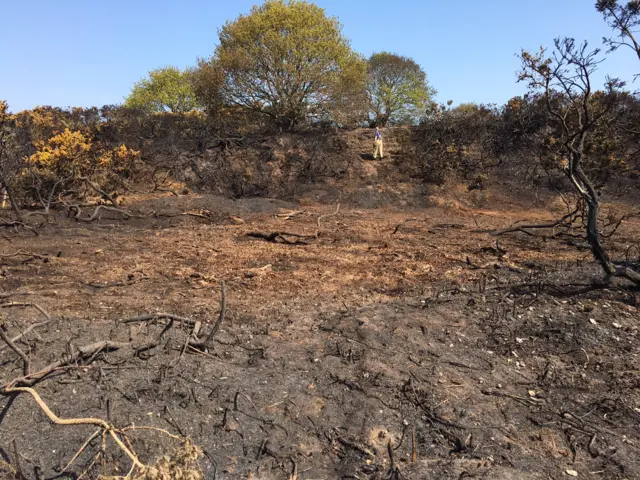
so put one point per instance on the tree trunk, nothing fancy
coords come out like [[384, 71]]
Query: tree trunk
[[12, 200], [593, 236]]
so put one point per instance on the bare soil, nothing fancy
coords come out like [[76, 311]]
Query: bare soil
[[479, 360]]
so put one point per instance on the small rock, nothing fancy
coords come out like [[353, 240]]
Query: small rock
[[592, 321], [571, 473], [617, 325]]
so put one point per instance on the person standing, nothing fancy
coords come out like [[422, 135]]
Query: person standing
[[378, 148]]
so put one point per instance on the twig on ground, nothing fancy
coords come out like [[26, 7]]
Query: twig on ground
[[322, 217], [101, 192], [159, 316], [131, 280], [414, 451], [281, 237], [26, 364], [223, 311], [83, 353], [294, 470], [25, 332], [15, 224], [565, 221], [395, 230], [289, 215], [27, 304], [394, 472], [78, 421], [95, 215]]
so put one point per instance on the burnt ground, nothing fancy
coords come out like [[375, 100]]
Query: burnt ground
[[508, 361]]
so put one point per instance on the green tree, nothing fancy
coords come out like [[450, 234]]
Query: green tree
[[166, 89], [207, 80], [284, 60], [398, 89]]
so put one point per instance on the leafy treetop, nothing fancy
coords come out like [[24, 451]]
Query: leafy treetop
[[166, 89], [283, 60], [398, 89]]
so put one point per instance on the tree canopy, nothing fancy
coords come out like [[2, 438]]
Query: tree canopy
[[166, 89], [398, 89], [624, 18], [284, 60]]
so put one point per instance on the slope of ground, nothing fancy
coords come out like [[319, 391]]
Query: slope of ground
[[391, 326]]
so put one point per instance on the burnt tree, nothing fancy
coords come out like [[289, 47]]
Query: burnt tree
[[565, 80]]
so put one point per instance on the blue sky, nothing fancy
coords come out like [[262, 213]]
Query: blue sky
[[86, 53]]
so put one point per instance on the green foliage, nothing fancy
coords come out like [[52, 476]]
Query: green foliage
[[348, 104], [398, 89], [166, 89], [285, 60], [207, 80]]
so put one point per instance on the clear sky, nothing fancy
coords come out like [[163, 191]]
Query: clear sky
[[89, 53]]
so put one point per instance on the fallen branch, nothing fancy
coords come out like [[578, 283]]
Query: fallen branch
[[616, 225], [395, 230], [289, 215], [15, 224], [394, 472], [25, 332], [87, 352], [571, 216], [4, 295], [628, 273], [199, 213], [150, 346], [216, 327], [26, 364], [280, 237], [27, 304], [101, 192], [353, 445], [169, 466], [31, 327], [22, 253], [192, 340], [95, 215], [130, 281], [110, 429], [321, 217], [159, 316]]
